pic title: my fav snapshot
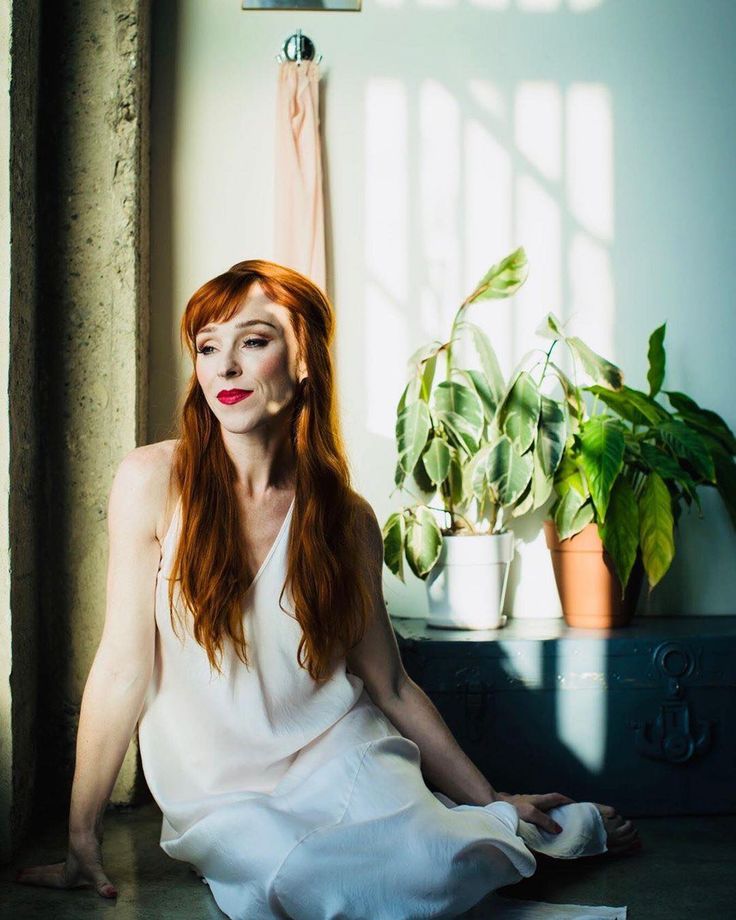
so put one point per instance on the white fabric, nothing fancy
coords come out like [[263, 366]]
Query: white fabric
[[294, 800]]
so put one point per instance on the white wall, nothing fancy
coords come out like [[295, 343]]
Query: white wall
[[597, 134]]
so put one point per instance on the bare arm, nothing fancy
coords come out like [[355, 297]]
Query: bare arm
[[377, 661], [122, 667], [116, 686]]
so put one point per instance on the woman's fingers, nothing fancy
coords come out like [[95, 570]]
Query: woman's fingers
[[552, 800], [544, 821]]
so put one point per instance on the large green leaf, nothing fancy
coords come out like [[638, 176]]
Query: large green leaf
[[475, 478], [620, 533], [551, 434], [423, 482], [569, 476], [455, 479], [507, 471], [503, 279], [479, 382], [656, 355], [573, 394], [423, 541], [393, 543], [688, 445], [459, 433], [660, 462], [411, 392], [412, 431], [453, 398], [703, 419], [436, 460], [571, 513], [670, 470], [488, 361], [601, 459], [633, 405], [428, 376], [525, 502], [656, 528], [597, 367], [519, 414], [542, 481]]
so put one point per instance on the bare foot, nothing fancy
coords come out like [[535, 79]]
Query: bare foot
[[621, 835]]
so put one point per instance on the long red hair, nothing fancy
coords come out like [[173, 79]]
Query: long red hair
[[325, 575]]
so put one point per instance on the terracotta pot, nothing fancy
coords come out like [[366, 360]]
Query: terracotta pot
[[590, 592]]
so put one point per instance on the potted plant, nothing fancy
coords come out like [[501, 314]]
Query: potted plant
[[629, 466], [487, 448]]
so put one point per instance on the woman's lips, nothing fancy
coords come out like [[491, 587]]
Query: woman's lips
[[233, 396]]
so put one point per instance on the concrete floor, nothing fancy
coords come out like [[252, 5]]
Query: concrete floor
[[684, 870]]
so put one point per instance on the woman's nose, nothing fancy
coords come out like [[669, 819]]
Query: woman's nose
[[228, 366]]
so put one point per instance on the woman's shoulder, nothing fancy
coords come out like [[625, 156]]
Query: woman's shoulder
[[150, 468], [151, 461]]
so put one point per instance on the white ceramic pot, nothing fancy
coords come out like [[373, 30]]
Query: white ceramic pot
[[467, 584]]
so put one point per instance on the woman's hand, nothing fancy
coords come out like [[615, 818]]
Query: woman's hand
[[83, 868], [532, 808]]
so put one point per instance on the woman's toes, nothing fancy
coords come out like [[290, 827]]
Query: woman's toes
[[607, 811], [621, 835]]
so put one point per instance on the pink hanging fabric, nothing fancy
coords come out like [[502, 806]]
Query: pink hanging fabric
[[299, 230]]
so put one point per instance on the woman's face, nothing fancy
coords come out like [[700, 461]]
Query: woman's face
[[247, 366]]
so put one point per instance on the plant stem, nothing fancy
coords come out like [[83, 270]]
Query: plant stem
[[546, 361]]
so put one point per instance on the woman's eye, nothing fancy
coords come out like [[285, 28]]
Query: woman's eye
[[251, 343]]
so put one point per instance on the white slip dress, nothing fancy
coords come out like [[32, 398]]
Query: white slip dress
[[294, 800]]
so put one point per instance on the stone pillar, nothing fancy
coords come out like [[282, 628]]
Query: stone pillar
[[18, 419], [93, 269]]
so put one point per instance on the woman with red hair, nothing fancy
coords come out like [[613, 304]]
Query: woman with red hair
[[247, 637]]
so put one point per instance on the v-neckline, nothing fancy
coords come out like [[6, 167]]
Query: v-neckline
[[275, 543]]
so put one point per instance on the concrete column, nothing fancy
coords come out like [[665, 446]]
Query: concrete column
[[93, 270], [18, 419]]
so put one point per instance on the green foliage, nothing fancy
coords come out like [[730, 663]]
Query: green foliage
[[632, 465], [487, 449]]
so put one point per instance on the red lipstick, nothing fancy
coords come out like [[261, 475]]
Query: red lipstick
[[232, 396]]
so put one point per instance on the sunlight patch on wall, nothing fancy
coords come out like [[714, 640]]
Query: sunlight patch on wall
[[439, 200], [539, 228], [491, 4], [387, 191], [589, 193], [538, 126], [538, 6], [591, 300], [551, 6], [589, 150], [488, 223], [583, 6]]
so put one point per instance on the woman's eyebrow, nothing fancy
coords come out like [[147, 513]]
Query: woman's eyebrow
[[244, 324]]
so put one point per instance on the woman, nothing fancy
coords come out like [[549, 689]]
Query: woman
[[247, 638]]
